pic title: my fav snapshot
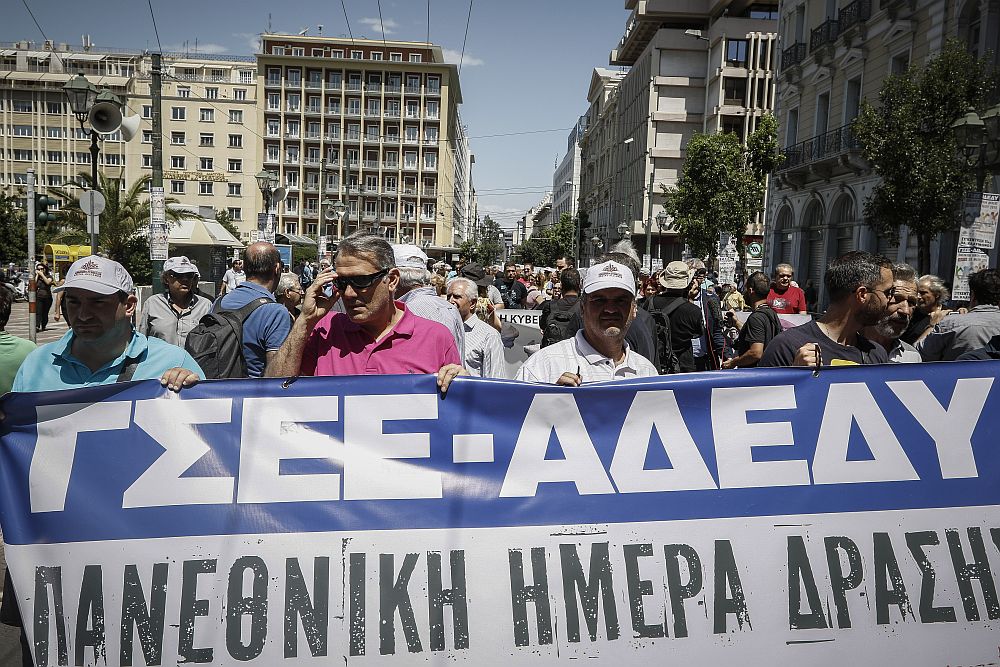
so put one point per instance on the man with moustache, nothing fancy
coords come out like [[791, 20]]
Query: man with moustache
[[887, 331], [860, 287], [598, 351]]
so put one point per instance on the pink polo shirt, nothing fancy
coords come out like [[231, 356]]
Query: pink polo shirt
[[338, 346]]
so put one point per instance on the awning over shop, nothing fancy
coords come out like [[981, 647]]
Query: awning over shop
[[58, 252], [294, 239], [193, 232]]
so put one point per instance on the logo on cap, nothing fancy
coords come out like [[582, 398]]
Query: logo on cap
[[90, 268]]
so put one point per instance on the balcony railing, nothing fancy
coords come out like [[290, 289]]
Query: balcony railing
[[391, 139], [413, 90], [373, 113], [312, 135], [392, 113], [374, 87], [825, 34], [354, 85], [272, 82], [333, 111], [332, 136], [854, 14], [371, 164], [314, 109], [793, 55], [393, 88], [314, 85], [352, 136], [390, 165], [822, 146]]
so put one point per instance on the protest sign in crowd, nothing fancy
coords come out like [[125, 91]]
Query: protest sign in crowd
[[383, 310]]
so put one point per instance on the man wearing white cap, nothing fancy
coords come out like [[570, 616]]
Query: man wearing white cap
[[598, 351], [170, 316], [101, 346], [421, 299]]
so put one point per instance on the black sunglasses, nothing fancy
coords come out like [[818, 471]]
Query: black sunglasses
[[359, 282]]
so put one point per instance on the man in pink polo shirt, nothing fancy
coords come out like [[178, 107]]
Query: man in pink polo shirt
[[376, 335]]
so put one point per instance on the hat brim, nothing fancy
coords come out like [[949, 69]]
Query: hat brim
[[92, 286], [675, 283], [183, 269], [608, 284]]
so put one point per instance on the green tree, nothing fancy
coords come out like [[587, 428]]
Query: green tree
[[910, 145], [722, 186], [485, 248], [222, 217], [549, 242], [124, 222], [14, 229]]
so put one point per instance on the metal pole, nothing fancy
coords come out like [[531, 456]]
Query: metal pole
[[155, 91], [649, 217], [95, 151], [32, 315]]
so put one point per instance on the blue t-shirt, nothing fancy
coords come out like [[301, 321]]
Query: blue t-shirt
[[53, 367], [266, 328]]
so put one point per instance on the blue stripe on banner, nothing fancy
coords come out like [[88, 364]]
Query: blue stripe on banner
[[367, 453]]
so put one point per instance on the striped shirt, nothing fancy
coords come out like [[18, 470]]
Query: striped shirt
[[483, 350], [546, 365]]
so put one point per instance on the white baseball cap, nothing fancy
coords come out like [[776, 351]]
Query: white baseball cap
[[99, 274], [609, 275], [409, 255], [180, 264]]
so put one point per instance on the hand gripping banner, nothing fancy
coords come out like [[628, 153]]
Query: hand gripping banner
[[763, 517]]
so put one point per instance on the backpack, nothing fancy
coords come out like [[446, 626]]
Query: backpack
[[217, 342], [668, 361], [558, 326]]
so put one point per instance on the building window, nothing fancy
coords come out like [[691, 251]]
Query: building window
[[235, 115], [433, 84], [207, 115], [236, 141], [736, 52], [183, 91], [298, 51], [206, 139], [206, 164], [273, 127], [899, 63], [211, 93], [147, 136], [178, 113], [177, 187], [55, 133], [375, 55], [357, 55], [176, 161], [395, 57], [177, 138], [272, 153], [235, 189], [337, 53], [236, 165], [22, 106], [277, 50], [235, 213], [240, 94], [734, 91], [415, 58], [147, 161], [206, 187]]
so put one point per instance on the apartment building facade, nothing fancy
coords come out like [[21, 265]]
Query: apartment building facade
[[835, 55], [372, 125], [697, 66], [566, 179]]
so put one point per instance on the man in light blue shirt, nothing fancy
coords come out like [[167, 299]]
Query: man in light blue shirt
[[267, 327], [101, 345]]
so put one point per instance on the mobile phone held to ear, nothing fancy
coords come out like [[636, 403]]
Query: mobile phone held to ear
[[328, 290]]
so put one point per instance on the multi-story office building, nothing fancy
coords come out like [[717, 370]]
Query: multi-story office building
[[371, 124], [835, 55], [37, 127], [209, 109], [693, 67], [566, 180]]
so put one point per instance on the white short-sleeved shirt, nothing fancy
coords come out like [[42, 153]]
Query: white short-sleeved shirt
[[546, 365]]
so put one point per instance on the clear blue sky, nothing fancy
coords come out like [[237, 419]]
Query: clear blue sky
[[527, 63]]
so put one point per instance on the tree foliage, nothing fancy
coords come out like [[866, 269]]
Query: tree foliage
[[910, 144], [14, 230], [486, 247], [548, 243], [722, 186], [124, 223]]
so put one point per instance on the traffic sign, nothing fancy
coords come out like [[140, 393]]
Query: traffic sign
[[92, 202]]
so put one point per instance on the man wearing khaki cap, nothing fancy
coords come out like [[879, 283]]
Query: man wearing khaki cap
[[598, 351]]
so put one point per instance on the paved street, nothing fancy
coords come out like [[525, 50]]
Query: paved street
[[10, 651]]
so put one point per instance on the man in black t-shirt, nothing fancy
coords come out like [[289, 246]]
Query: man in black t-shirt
[[759, 329], [860, 287], [561, 311], [512, 291], [686, 322]]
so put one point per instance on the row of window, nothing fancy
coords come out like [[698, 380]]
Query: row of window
[[28, 155], [206, 188], [354, 54], [372, 107], [372, 132], [389, 184], [335, 79], [206, 139], [55, 132], [390, 160], [205, 115]]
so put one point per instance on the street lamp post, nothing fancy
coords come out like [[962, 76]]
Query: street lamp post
[[625, 230], [82, 96], [979, 142], [661, 223], [267, 181]]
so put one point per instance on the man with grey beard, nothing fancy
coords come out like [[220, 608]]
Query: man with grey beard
[[887, 331]]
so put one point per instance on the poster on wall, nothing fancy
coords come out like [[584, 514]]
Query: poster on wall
[[159, 233], [979, 222]]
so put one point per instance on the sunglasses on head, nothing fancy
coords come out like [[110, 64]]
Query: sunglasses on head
[[359, 282]]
